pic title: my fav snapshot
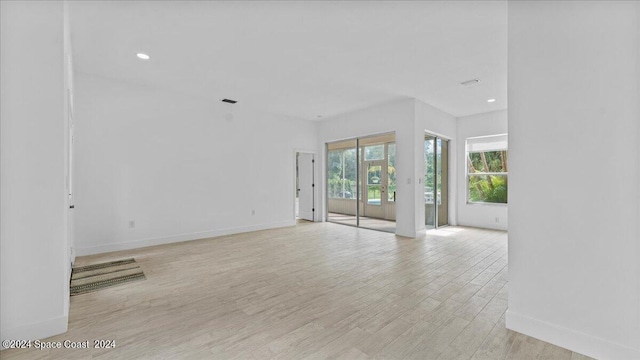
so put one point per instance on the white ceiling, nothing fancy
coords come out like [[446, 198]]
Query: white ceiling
[[302, 59]]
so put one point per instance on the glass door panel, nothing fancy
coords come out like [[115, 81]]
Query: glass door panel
[[373, 195], [375, 188], [342, 182], [374, 152], [443, 182], [374, 181], [436, 181], [429, 181], [391, 173]]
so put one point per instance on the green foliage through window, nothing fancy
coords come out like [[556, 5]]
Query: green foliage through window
[[374, 152], [341, 173], [487, 176], [391, 171]]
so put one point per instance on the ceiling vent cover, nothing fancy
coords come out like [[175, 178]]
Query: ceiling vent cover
[[470, 82], [229, 101]]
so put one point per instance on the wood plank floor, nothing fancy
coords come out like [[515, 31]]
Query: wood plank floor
[[313, 291]]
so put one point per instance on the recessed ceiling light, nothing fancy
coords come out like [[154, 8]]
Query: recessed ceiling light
[[491, 100], [143, 56]]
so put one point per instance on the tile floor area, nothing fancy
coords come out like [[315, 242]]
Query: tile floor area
[[313, 291]]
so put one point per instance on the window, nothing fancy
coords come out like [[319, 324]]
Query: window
[[487, 175], [374, 152], [341, 177]]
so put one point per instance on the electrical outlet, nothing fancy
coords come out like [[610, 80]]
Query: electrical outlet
[[132, 224], [497, 219], [253, 212]]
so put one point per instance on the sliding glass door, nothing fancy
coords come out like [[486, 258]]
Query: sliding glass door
[[342, 177], [436, 189], [361, 182]]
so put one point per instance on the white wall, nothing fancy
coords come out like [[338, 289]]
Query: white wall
[[34, 259], [438, 123], [396, 116], [478, 215], [574, 249], [177, 166]]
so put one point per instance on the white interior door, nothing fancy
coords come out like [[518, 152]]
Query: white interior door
[[306, 185]]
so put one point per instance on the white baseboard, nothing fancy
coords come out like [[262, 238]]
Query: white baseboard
[[134, 244], [411, 234], [37, 331], [569, 339]]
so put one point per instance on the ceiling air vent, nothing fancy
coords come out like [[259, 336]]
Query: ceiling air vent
[[470, 82], [229, 101]]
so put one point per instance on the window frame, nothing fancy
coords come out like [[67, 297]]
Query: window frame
[[468, 175]]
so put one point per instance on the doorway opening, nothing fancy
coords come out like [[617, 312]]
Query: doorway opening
[[436, 181], [361, 182], [304, 207]]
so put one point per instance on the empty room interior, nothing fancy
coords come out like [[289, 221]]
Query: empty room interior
[[320, 179]]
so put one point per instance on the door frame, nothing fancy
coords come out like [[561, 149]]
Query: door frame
[[381, 208], [314, 177], [436, 136]]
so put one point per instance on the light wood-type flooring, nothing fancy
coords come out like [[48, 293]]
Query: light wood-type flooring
[[313, 291]]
